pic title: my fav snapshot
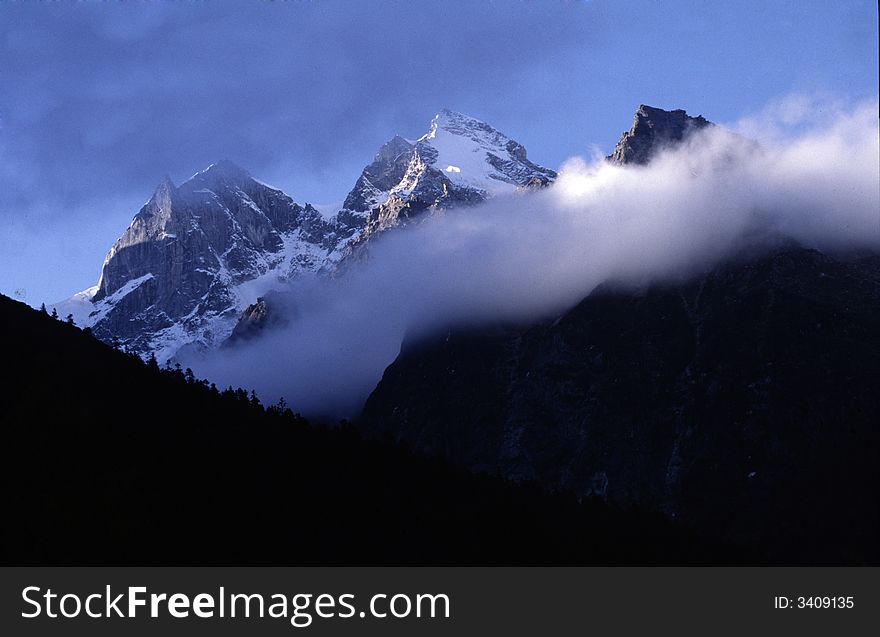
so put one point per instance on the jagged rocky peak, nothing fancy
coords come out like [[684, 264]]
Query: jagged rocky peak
[[393, 149], [159, 206], [466, 126], [173, 277], [223, 173], [472, 153], [216, 177], [653, 129], [459, 161], [162, 197], [258, 316], [378, 178]]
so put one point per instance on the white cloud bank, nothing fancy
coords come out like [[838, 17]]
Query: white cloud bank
[[536, 254]]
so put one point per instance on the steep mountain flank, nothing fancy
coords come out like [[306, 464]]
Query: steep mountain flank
[[744, 402]]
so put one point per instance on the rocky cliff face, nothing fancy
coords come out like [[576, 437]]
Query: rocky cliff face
[[742, 401], [258, 316], [652, 130], [175, 276]]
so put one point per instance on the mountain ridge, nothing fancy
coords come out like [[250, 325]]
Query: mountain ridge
[[197, 255]]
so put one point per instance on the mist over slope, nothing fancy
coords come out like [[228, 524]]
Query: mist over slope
[[87, 479], [535, 254], [743, 401]]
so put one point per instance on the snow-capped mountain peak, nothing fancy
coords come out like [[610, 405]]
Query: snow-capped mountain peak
[[473, 154], [197, 254], [194, 255], [459, 161]]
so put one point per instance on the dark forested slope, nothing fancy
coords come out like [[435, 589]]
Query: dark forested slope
[[109, 460]]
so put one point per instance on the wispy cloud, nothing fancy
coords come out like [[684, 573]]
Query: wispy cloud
[[533, 255]]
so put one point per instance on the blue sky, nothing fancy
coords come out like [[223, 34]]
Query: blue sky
[[99, 100]]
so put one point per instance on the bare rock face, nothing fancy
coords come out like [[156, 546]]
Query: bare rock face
[[173, 278], [652, 130], [252, 320], [386, 171], [257, 317]]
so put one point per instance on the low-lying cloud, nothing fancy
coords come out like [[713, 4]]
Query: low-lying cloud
[[535, 254]]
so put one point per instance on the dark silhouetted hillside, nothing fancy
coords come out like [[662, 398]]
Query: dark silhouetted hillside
[[110, 460], [745, 402]]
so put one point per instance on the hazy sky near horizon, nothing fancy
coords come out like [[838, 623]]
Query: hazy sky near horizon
[[98, 101]]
